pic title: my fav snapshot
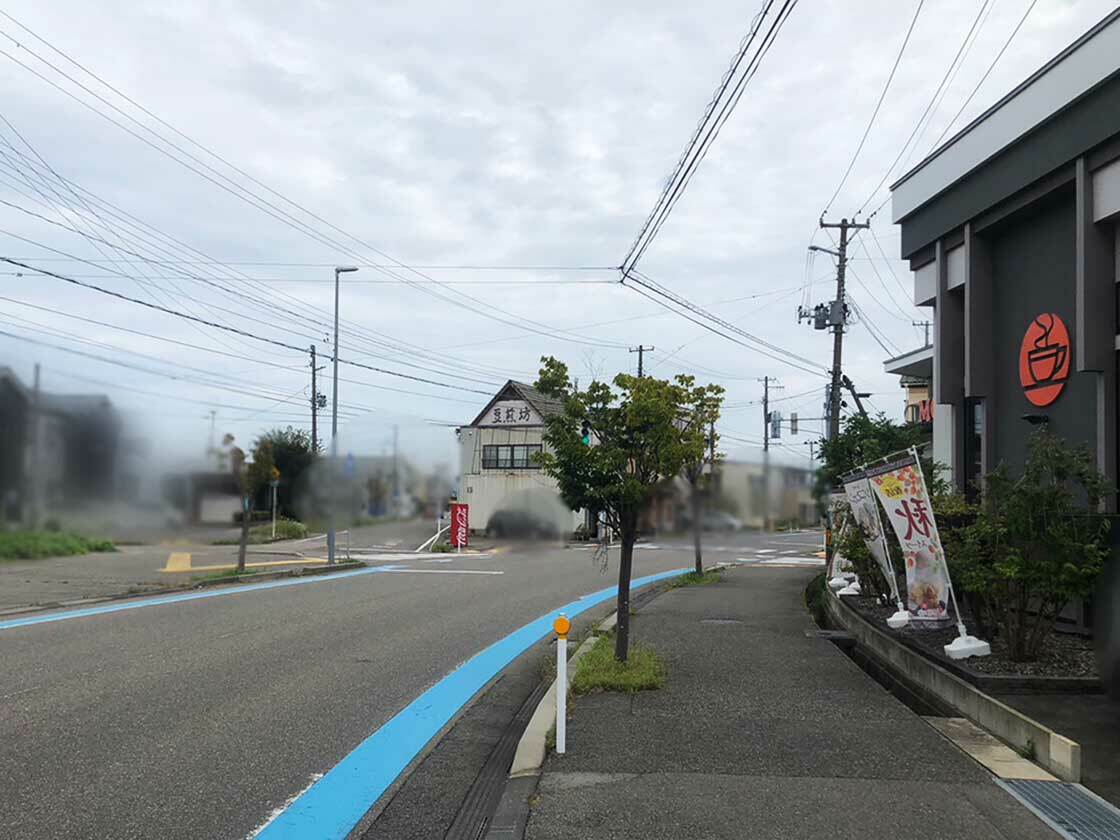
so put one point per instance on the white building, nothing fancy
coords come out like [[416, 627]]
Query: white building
[[497, 469]]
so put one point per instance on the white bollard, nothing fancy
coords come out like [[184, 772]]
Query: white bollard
[[561, 625]]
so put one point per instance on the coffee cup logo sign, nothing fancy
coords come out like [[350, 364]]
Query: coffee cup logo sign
[[1044, 359]]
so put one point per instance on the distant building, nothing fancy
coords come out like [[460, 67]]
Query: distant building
[[72, 448], [742, 489], [496, 460]]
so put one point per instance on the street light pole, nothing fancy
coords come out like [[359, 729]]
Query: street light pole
[[343, 269]]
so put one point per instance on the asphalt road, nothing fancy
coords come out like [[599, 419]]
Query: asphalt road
[[197, 719]]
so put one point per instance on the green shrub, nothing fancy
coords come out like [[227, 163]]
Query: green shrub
[[35, 545], [286, 529], [1034, 543], [598, 670], [853, 548]]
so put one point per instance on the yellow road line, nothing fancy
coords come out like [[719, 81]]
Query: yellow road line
[[221, 567], [177, 562]]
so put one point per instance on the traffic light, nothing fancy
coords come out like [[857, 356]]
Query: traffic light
[[793, 423], [775, 425], [585, 433]]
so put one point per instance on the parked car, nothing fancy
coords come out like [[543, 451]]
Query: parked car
[[717, 520], [520, 523]]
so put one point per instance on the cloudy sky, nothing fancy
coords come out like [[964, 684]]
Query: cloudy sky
[[530, 138]]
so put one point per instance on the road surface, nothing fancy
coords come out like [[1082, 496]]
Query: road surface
[[199, 718]]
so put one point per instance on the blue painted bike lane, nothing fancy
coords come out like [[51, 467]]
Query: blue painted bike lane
[[331, 807]]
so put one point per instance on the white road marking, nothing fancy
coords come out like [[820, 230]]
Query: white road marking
[[786, 562], [445, 571], [275, 812], [440, 560], [766, 550]]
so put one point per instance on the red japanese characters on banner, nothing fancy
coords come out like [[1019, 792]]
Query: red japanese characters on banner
[[460, 525], [902, 492]]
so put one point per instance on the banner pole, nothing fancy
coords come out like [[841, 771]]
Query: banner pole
[[964, 645]]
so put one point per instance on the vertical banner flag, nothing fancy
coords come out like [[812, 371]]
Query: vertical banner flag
[[902, 491], [837, 522], [865, 512], [460, 525]]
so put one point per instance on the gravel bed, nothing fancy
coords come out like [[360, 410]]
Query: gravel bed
[[1062, 655]]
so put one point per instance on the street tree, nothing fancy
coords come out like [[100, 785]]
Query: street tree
[[863, 440], [251, 477], [609, 447], [698, 430], [291, 455]]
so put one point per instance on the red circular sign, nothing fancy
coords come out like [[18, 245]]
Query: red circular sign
[[1044, 359]]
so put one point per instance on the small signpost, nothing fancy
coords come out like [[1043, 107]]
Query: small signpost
[[274, 484], [562, 626]]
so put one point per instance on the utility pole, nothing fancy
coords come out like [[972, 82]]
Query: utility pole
[[396, 472], [812, 453], [314, 407], [641, 350], [766, 380], [36, 465], [834, 315], [210, 446], [334, 419], [925, 325]]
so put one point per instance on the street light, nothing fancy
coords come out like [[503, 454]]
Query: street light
[[342, 269]]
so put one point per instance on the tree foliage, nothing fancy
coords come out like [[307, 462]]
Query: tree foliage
[[702, 409], [1034, 542], [861, 441], [291, 454], [641, 433]]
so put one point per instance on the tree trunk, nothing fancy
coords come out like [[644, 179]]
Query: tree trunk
[[696, 506], [244, 534], [622, 629]]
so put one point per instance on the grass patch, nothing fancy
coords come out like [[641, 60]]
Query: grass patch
[[35, 545], [442, 548], [286, 529], [228, 575], [598, 670], [693, 579]]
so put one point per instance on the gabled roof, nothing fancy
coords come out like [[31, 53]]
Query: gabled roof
[[9, 375], [545, 406]]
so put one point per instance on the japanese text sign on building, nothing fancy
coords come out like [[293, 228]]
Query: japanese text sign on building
[[510, 413], [460, 525], [901, 489]]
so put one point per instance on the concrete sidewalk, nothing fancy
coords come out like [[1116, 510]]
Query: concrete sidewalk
[[763, 731]]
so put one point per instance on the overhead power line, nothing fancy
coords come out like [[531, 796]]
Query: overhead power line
[[987, 73], [929, 106], [697, 147], [429, 267], [757, 344], [235, 330], [875, 113], [238, 356], [245, 194], [165, 245]]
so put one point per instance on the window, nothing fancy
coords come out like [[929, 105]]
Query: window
[[516, 457]]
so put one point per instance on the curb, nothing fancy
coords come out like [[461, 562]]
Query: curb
[[1059, 755], [511, 817], [530, 755]]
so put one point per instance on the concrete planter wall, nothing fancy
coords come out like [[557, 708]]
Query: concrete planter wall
[[1055, 752]]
